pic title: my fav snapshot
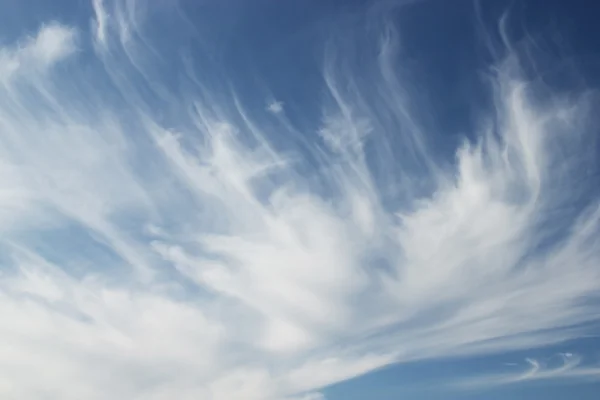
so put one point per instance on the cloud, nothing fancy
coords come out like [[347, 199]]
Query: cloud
[[311, 396], [159, 241], [100, 21], [569, 368], [52, 43], [275, 107]]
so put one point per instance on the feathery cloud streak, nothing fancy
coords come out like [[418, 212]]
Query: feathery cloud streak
[[158, 243], [571, 367]]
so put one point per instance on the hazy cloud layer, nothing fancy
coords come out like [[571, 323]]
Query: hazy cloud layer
[[157, 243]]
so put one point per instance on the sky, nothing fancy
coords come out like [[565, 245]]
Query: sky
[[299, 200]]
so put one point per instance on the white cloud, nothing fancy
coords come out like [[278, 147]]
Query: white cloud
[[310, 396], [100, 21], [570, 367], [52, 43], [184, 256], [275, 107]]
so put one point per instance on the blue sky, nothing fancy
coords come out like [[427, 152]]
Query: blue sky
[[299, 200]]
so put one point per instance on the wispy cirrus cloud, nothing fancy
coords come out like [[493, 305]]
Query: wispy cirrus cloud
[[35, 54], [99, 22], [159, 244], [570, 367]]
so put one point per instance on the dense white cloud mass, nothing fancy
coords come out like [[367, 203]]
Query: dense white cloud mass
[[157, 244]]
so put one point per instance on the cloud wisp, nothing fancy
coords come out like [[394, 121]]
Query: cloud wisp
[[275, 107], [161, 241], [36, 54], [570, 368]]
